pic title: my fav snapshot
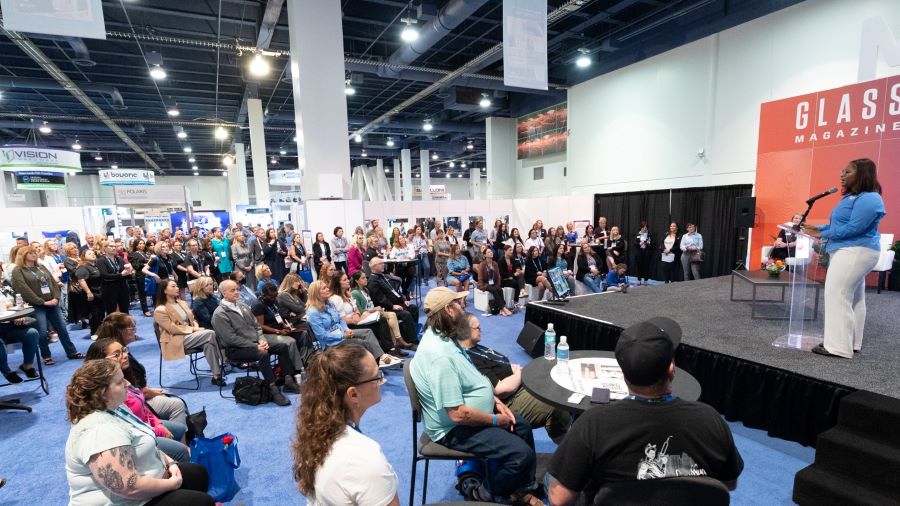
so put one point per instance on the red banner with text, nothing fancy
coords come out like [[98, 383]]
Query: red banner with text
[[805, 141]]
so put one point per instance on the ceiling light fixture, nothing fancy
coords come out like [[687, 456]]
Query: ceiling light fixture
[[259, 66], [447, 176], [282, 152], [196, 173], [427, 126], [470, 146], [348, 88], [158, 73], [192, 159], [452, 164], [409, 33], [187, 149], [357, 138], [273, 161], [463, 165], [181, 134], [221, 133], [485, 101], [434, 156], [364, 154], [77, 145], [225, 173], [195, 167], [227, 160], [114, 167], [584, 59], [390, 142], [45, 128], [98, 157], [173, 111], [459, 175]]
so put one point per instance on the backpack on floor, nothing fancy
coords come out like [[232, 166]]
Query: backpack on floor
[[220, 457], [250, 390]]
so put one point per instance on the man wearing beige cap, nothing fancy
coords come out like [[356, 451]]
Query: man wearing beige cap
[[459, 408]]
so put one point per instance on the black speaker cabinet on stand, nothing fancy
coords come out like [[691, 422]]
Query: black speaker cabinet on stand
[[744, 219]]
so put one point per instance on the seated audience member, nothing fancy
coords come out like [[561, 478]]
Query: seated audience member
[[534, 241], [178, 330], [245, 293], [243, 340], [651, 433], [204, 301], [536, 272], [616, 249], [460, 409], [385, 296], [169, 434], [111, 457], [292, 300], [122, 328], [264, 275], [405, 270], [16, 331], [326, 272], [343, 302], [459, 273], [561, 259], [277, 330], [331, 330], [571, 234], [359, 283], [489, 281], [589, 268], [617, 279], [507, 381], [512, 275], [334, 462]]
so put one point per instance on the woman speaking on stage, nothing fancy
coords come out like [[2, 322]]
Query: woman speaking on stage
[[851, 239]]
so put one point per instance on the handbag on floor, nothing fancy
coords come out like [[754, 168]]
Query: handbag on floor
[[250, 390], [220, 457]]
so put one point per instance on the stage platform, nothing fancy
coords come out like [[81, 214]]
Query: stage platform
[[790, 393]]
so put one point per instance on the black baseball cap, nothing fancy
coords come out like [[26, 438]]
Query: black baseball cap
[[646, 349]]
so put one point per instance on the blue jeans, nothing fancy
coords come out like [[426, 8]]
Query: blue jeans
[[512, 452], [174, 448], [28, 336], [594, 284], [52, 314], [424, 268]]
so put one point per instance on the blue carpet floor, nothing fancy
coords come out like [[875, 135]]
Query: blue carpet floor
[[32, 445]]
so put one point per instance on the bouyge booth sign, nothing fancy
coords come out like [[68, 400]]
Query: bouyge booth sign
[[127, 177], [30, 158], [40, 180]]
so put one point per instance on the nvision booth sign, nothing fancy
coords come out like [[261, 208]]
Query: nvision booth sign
[[126, 177]]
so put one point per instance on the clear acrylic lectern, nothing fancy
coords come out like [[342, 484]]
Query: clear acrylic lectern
[[805, 319]]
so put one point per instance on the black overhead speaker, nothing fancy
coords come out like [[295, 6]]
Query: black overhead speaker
[[532, 339], [744, 212]]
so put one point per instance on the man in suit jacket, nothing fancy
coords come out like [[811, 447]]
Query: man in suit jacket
[[384, 295], [239, 332], [114, 273]]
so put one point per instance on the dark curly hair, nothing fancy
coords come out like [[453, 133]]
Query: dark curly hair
[[85, 391], [323, 416]]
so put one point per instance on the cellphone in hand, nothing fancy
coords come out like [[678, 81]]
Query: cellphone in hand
[[600, 396]]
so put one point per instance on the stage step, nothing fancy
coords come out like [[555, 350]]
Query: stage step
[[875, 415], [817, 487], [858, 460]]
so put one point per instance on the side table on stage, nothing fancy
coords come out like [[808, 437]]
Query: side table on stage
[[14, 403]]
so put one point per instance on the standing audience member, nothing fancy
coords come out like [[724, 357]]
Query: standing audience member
[[111, 457], [181, 268], [671, 253], [34, 282], [274, 253], [460, 410], [334, 463], [650, 434], [355, 255], [616, 248], [691, 252], [534, 241], [55, 263], [160, 266], [321, 252], [589, 268], [204, 301], [255, 241], [489, 281], [441, 248], [420, 246], [339, 249], [77, 312], [114, 272], [221, 248], [178, 330], [91, 283], [242, 338], [643, 247], [138, 258], [193, 263]]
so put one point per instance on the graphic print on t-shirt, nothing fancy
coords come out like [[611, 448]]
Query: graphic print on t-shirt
[[662, 465]]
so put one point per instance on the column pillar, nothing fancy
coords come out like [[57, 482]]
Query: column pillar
[[258, 152], [397, 186], [379, 171], [501, 157], [475, 183], [317, 75], [425, 171], [406, 163], [237, 179]]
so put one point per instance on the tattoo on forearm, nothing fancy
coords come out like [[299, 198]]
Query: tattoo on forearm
[[115, 469]]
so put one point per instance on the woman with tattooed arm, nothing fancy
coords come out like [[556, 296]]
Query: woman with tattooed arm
[[111, 456]]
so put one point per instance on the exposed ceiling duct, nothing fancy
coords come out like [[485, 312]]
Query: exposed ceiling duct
[[66, 126], [82, 55], [49, 84]]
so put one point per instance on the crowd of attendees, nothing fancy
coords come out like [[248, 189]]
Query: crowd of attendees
[[339, 314]]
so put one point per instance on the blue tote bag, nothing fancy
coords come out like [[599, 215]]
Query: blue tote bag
[[219, 455]]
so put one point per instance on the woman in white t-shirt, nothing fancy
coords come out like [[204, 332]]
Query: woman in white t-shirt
[[334, 462], [111, 455]]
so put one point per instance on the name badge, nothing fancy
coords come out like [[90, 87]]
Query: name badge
[[45, 289], [279, 319], [223, 254], [491, 281]]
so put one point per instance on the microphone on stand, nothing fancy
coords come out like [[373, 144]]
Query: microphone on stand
[[823, 194]]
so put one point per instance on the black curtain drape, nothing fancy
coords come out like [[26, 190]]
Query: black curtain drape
[[712, 209]]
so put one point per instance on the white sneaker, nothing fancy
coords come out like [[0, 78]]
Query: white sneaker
[[391, 362], [93, 337]]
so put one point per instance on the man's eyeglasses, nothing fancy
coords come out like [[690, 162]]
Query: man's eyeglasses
[[379, 379], [124, 351]]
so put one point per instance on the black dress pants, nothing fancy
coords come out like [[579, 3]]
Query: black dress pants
[[262, 359], [195, 482], [115, 297], [407, 319], [497, 302]]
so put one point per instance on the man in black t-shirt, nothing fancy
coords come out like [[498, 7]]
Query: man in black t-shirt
[[650, 434], [277, 330]]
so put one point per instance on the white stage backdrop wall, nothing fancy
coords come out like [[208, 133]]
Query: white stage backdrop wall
[[641, 127]]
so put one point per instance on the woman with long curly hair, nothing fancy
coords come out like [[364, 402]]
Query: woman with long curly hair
[[334, 463]]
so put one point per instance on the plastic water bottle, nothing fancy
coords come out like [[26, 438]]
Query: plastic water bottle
[[562, 352], [550, 342], [20, 302]]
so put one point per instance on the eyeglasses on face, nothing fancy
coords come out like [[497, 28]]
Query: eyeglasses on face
[[118, 353], [379, 379]]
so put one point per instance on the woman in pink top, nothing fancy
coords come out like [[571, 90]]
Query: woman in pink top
[[355, 255]]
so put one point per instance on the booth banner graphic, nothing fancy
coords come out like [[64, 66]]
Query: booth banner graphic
[[83, 18], [158, 194], [284, 177], [126, 177], [154, 222], [206, 221], [543, 132], [805, 141], [19, 158], [40, 180], [525, 43], [284, 197]]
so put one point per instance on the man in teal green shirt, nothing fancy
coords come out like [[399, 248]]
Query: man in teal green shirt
[[459, 408]]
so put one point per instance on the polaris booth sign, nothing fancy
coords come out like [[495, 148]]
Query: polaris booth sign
[[127, 177]]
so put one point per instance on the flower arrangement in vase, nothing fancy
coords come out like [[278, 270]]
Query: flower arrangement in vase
[[774, 267]]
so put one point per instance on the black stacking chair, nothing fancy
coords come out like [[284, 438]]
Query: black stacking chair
[[423, 447], [193, 355], [677, 491]]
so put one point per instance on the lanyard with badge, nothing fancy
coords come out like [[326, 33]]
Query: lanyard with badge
[[274, 311], [128, 417], [40, 278]]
